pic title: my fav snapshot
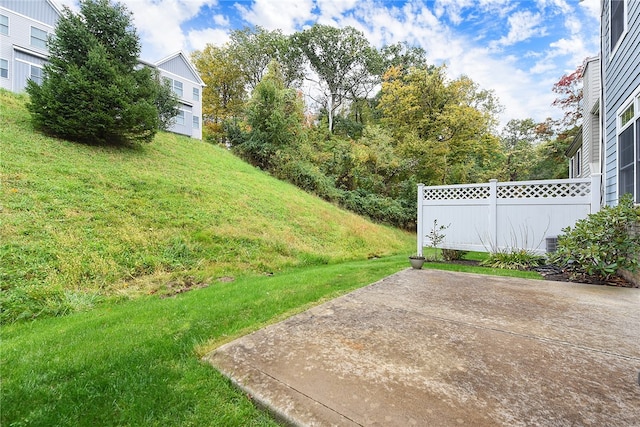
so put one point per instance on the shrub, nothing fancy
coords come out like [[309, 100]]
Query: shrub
[[602, 243], [517, 259], [453, 254]]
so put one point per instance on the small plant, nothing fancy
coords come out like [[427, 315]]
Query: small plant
[[453, 254], [602, 243], [436, 236], [516, 259]]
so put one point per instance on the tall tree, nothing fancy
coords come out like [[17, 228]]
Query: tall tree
[[223, 97], [518, 139], [254, 48], [343, 60], [274, 118], [93, 89], [445, 127]]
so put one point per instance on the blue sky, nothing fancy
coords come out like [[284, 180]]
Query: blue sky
[[518, 49]]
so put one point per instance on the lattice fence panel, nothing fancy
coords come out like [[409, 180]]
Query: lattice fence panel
[[457, 193], [553, 190]]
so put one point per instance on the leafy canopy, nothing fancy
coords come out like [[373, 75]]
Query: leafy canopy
[[93, 89]]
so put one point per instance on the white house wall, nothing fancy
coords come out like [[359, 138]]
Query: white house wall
[[22, 16], [590, 123], [621, 79]]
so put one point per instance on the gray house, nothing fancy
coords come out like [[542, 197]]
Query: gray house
[[24, 29], [584, 151], [620, 53]]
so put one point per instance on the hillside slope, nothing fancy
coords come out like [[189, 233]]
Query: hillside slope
[[83, 222]]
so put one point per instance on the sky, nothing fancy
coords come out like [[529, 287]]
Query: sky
[[518, 49]]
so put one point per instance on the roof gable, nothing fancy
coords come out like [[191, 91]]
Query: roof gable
[[45, 11], [179, 64]]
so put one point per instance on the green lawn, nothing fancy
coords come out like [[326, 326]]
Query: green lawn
[[138, 362]]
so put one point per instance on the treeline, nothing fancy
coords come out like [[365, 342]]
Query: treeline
[[376, 122]]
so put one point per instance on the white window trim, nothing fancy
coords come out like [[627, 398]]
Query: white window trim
[[31, 37], [633, 99], [182, 114], [7, 61], [8, 27], [614, 49]]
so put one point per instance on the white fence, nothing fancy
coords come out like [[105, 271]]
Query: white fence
[[499, 216]]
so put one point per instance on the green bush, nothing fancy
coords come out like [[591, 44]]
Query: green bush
[[602, 243], [520, 259], [453, 254]]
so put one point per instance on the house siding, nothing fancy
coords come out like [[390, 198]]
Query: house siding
[[621, 70], [13, 45], [42, 11], [178, 68], [590, 125]]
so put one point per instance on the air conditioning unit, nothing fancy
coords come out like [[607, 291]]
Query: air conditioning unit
[[552, 244]]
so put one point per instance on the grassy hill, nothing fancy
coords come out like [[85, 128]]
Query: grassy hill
[[81, 223]]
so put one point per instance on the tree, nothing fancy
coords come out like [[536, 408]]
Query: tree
[[343, 60], [93, 89], [223, 97], [254, 48], [569, 87], [518, 139], [274, 119], [444, 127]]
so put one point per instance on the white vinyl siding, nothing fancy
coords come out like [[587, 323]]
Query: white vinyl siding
[[4, 25], [38, 38]]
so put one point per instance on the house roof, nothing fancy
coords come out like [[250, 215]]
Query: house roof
[[185, 59]]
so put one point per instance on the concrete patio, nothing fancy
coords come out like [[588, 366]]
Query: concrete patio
[[435, 348]]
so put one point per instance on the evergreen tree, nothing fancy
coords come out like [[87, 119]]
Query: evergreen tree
[[93, 88]]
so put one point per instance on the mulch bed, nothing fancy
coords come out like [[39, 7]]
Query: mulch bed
[[551, 272]]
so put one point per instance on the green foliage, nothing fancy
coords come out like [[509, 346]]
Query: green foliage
[[274, 118], [84, 224], [517, 259], [602, 243], [92, 89], [453, 254]]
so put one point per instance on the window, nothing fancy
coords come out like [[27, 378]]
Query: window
[[4, 68], [36, 74], [180, 118], [4, 25], [196, 94], [629, 150], [578, 163], [617, 24], [38, 38], [177, 88], [196, 122]]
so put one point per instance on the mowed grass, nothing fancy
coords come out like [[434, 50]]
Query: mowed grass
[[85, 224], [137, 363]]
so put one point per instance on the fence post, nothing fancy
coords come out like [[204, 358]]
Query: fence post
[[419, 232], [596, 188], [493, 214]]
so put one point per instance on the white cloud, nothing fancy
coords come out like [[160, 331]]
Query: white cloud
[[198, 39], [286, 15], [522, 26], [158, 23]]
